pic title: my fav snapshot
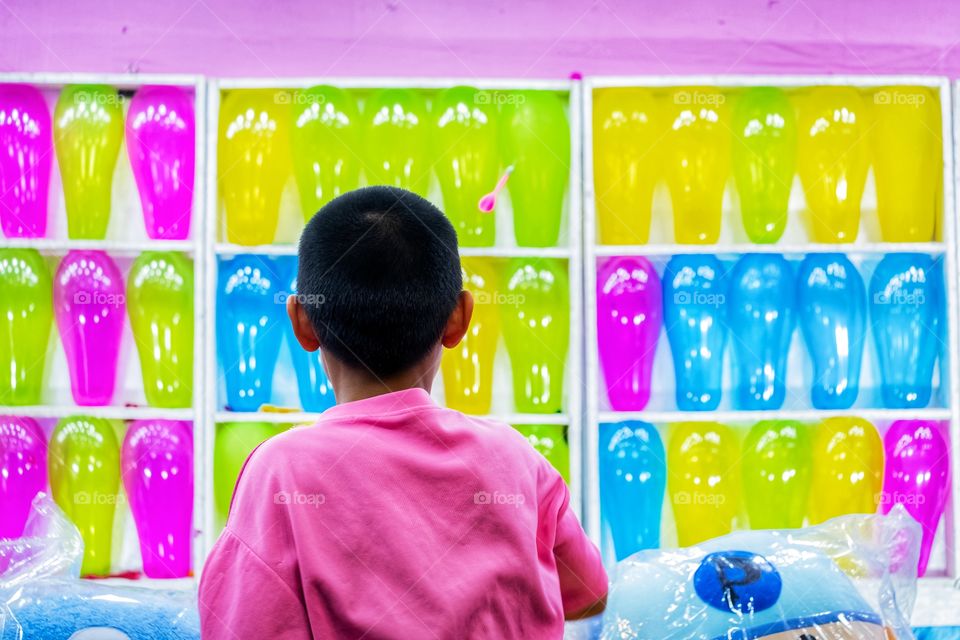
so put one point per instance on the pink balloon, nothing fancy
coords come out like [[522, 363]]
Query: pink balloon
[[917, 476], [157, 466], [89, 302], [23, 471], [629, 317], [161, 144], [26, 151]]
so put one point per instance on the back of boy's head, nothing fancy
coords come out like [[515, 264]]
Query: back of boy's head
[[379, 276]]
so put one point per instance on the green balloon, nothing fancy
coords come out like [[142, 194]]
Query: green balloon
[[160, 306], [777, 466], [396, 140], [26, 315], [536, 141], [84, 468], [232, 447], [551, 441], [764, 160]]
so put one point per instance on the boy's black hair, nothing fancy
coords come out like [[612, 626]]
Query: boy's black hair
[[379, 276]]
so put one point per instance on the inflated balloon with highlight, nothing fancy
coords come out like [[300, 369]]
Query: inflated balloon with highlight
[[324, 137], [157, 464], [468, 367], [84, 468], [550, 441], [26, 145], [917, 475], [396, 140], [23, 471], [26, 315], [633, 477], [629, 317], [536, 330], [464, 141], [627, 159], [764, 160], [88, 132], [161, 143], [777, 466], [847, 469], [233, 445], [253, 155], [160, 305]]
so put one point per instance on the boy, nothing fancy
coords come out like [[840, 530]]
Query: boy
[[392, 517]]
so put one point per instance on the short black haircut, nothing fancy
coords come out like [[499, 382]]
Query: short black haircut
[[379, 276]]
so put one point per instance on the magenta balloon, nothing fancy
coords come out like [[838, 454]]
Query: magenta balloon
[[26, 151], [917, 475], [157, 466], [23, 471], [161, 143], [629, 317], [89, 303]]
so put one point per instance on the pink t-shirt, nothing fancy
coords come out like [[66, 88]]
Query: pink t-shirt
[[392, 517]]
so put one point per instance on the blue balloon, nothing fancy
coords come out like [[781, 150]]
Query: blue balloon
[[250, 319], [761, 318], [633, 476], [832, 301], [906, 311], [695, 315]]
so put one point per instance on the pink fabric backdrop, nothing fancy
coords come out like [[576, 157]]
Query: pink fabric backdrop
[[535, 38]]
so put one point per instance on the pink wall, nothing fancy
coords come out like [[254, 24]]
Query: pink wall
[[535, 38]]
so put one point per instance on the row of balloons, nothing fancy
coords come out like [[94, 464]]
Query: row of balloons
[[527, 299], [829, 136], [783, 474], [89, 300], [87, 130], [465, 137], [758, 301]]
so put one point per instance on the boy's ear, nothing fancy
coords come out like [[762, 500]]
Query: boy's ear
[[302, 328], [459, 321]]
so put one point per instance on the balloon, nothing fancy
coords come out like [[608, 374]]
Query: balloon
[[324, 141], [906, 306], [84, 467], [161, 142], [468, 367], [629, 317], [761, 318], [26, 151], [550, 441], [695, 291], [703, 480], [254, 162], [465, 145], [160, 305], [833, 160], [633, 477], [89, 301], [764, 160], [23, 471], [627, 128], [26, 315], [536, 140], [907, 162], [847, 468], [777, 461], [697, 162], [251, 314], [917, 476], [536, 329], [88, 132], [233, 445], [157, 463], [396, 140], [832, 305]]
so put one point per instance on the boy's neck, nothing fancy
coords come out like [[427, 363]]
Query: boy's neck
[[351, 384]]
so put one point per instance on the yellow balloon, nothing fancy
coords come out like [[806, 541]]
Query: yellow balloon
[[254, 162], [627, 158], [908, 162], [847, 468], [833, 159]]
